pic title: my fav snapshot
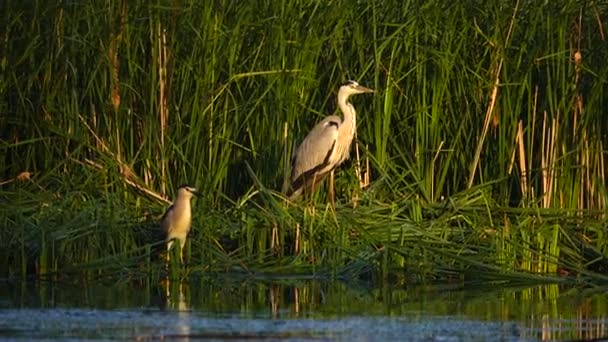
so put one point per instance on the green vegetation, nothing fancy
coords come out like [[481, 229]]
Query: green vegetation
[[480, 157]]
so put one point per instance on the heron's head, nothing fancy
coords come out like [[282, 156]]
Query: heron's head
[[187, 191], [351, 88]]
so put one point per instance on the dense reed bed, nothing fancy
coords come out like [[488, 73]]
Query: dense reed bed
[[480, 157]]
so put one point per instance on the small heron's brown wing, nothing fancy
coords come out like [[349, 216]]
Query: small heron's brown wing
[[314, 154]]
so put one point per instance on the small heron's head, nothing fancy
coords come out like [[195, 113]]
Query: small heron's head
[[187, 191], [351, 88]]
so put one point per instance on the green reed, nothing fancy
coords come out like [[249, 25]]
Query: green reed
[[484, 144]]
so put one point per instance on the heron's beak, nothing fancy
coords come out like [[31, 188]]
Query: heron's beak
[[365, 89], [196, 192]]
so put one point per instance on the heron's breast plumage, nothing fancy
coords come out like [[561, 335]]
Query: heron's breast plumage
[[180, 221], [345, 135]]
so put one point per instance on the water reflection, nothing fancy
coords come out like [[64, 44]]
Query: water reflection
[[175, 299], [547, 312]]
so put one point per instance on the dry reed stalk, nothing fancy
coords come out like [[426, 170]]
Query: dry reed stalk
[[548, 157], [543, 163], [520, 150], [584, 201], [274, 237], [585, 196], [115, 41], [434, 161], [576, 113], [357, 172], [368, 170], [533, 130], [490, 110], [162, 98], [600, 25], [486, 125], [286, 163], [512, 158], [296, 243], [601, 172], [522, 161]]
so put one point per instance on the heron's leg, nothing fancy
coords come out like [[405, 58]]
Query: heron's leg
[[182, 245], [332, 195], [169, 246], [313, 186]]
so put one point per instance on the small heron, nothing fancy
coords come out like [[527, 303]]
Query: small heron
[[327, 145], [177, 220]]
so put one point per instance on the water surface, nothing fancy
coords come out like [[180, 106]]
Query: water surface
[[217, 310]]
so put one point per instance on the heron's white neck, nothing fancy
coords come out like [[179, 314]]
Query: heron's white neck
[[346, 131], [183, 200], [349, 123]]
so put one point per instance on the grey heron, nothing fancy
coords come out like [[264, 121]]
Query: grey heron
[[327, 145], [177, 219]]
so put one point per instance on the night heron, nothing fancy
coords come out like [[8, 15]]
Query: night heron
[[327, 145], [177, 220]]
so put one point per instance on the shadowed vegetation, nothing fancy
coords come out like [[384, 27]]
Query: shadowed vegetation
[[480, 157]]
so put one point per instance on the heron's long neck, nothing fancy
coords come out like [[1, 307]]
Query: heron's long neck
[[347, 128], [349, 123], [182, 205]]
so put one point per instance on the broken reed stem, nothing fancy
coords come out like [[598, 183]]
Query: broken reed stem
[[126, 172]]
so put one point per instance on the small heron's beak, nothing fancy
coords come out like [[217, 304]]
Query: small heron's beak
[[365, 89], [195, 192]]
